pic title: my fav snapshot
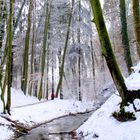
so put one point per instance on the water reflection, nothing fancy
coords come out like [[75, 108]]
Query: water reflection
[[58, 129]]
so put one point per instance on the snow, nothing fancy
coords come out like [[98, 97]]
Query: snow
[[48, 110], [137, 104], [5, 133], [132, 82], [29, 111], [19, 99], [103, 126]]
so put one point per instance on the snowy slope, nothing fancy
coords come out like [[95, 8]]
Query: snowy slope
[[30, 111], [133, 81], [102, 126]]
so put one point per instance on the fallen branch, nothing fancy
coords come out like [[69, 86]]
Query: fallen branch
[[19, 127], [22, 128]]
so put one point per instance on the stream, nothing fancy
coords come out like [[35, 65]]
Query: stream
[[58, 129]]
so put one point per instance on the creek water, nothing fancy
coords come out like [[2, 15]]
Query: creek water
[[58, 129]]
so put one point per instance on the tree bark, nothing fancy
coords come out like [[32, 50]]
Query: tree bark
[[125, 39], [107, 50], [46, 27], [93, 67], [136, 15], [60, 61], [32, 61], [79, 53], [9, 58], [26, 51]]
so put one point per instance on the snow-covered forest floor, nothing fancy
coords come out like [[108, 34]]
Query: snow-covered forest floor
[[29, 112], [103, 126]]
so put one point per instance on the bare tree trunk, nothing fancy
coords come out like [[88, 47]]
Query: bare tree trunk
[[32, 61], [47, 82], [64, 54], [93, 69], [9, 58], [46, 27], [136, 15], [79, 58], [107, 50], [60, 61], [26, 51], [125, 39], [3, 93], [52, 94]]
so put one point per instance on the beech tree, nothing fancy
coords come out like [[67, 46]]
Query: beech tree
[[24, 79], [107, 50], [44, 48], [124, 33], [9, 58], [136, 15], [64, 53]]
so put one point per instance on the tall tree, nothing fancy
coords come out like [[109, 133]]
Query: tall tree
[[93, 66], [43, 57], [32, 59], [107, 50], [47, 69], [3, 17], [60, 59], [65, 50], [52, 94], [26, 51], [9, 58], [125, 39], [136, 15], [79, 52]]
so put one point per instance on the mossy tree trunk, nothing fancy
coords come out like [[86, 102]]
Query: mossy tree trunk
[[65, 50], [124, 33], [136, 15], [9, 58], [3, 93], [47, 80], [107, 50], [24, 79], [60, 61], [43, 57]]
